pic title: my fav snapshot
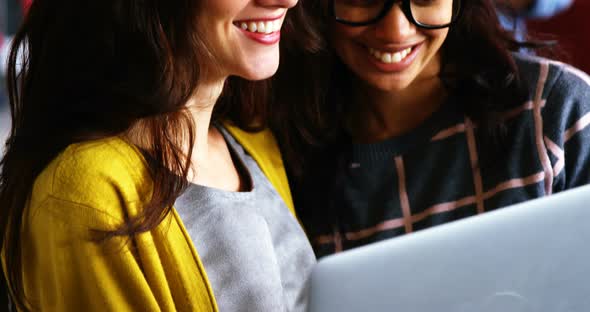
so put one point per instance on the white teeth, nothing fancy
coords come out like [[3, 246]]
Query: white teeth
[[388, 57], [252, 27], [267, 27], [261, 27]]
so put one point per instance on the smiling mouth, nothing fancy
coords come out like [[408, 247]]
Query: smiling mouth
[[260, 27], [388, 57]]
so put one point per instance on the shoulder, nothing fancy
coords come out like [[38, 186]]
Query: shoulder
[[102, 177], [530, 66], [261, 145], [263, 148], [561, 92], [570, 82], [254, 140], [545, 78]]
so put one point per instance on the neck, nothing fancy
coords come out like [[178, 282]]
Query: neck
[[379, 115], [211, 161], [209, 149], [201, 106]]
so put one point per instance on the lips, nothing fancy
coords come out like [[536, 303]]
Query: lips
[[393, 60], [263, 27], [264, 31], [390, 57]]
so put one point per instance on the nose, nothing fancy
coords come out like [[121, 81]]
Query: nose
[[277, 3], [395, 26]]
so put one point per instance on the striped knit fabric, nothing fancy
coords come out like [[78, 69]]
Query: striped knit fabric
[[432, 175]]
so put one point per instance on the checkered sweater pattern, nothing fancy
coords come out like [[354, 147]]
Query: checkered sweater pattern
[[433, 175]]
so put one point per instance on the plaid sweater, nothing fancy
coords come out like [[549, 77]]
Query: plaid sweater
[[432, 175]]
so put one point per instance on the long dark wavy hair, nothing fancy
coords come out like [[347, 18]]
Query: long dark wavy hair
[[86, 70], [477, 55]]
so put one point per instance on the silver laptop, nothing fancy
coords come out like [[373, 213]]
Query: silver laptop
[[530, 257]]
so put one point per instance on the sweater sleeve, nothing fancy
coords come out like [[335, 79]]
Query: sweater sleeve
[[567, 127]]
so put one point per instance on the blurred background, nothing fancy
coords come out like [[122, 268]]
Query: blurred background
[[11, 13], [571, 28], [567, 21]]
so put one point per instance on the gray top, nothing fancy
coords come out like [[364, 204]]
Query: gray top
[[254, 251]]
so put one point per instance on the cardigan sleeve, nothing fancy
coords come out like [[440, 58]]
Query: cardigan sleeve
[[92, 189], [66, 269]]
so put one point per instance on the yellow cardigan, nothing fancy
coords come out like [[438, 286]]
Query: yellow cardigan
[[98, 185]]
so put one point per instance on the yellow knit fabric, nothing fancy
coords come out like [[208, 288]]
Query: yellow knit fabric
[[98, 185]]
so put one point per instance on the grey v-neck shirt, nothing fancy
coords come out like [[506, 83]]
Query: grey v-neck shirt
[[254, 251]]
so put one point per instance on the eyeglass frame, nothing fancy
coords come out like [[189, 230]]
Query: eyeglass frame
[[406, 9]]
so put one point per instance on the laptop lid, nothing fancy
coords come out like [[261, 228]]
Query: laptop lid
[[534, 256]]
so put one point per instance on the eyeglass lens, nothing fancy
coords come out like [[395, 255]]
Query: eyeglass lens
[[424, 12]]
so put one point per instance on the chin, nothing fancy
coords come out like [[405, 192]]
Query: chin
[[389, 85], [260, 66], [259, 73]]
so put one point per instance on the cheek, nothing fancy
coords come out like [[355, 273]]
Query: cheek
[[343, 36], [212, 37], [437, 38]]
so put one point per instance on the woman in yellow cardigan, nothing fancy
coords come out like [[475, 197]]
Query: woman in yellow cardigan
[[129, 182]]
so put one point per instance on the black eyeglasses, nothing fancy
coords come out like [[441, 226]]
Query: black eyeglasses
[[428, 14]]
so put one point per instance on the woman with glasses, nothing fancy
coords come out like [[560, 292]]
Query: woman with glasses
[[417, 113]]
